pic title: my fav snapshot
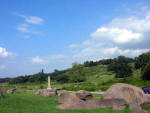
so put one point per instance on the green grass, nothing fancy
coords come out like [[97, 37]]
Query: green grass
[[30, 103]]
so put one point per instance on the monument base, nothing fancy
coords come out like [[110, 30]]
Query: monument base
[[49, 88]]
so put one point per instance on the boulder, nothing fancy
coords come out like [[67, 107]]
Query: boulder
[[69, 98], [84, 95], [84, 99], [47, 92], [129, 93], [135, 107], [145, 104], [11, 91], [116, 104], [1, 95], [141, 111]]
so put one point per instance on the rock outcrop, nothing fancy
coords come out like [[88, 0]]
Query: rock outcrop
[[129, 93]]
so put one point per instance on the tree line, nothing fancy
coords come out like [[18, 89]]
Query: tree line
[[121, 65]]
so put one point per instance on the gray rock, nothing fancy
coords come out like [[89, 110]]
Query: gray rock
[[135, 107]]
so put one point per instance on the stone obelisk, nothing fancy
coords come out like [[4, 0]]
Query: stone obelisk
[[49, 83]]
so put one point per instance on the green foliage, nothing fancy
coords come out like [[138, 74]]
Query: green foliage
[[76, 73], [41, 87], [146, 72], [121, 67], [142, 60], [90, 63]]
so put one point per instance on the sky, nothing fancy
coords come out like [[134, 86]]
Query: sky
[[52, 34]]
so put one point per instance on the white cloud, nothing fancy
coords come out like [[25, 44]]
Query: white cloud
[[124, 30], [31, 19], [38, 60], [117, 35], [122, 36], [27, 27], [34, 20], [4, 53], [126, 52], [23, 28], [73, 46], [48, 59]]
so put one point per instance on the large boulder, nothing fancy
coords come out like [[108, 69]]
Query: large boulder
[[84, 95], [47, 92], [145, 104], [75, 97], [129, 93], [84, 99], [1, 95]]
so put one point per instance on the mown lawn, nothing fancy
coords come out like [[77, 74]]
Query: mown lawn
[[30, 103]]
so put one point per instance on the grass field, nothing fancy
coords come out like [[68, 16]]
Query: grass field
[[30, 103]]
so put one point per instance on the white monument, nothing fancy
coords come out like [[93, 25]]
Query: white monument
[[49, 83]]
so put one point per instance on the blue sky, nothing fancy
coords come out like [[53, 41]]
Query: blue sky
[[52, 34]]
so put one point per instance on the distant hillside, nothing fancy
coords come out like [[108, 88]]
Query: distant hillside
[[93, 75]]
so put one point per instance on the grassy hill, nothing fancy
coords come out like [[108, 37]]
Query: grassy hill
[[100, 79]]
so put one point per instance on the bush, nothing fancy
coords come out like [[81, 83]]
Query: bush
[[41, 87]]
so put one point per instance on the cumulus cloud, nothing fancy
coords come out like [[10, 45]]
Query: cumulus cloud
[[4, 53], [122, 36], [124, 30], [118, 35], [126, 52], [47, 59]]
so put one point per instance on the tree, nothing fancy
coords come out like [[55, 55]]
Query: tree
[[146, 72], [142, 60], [121, 67], [76, 73]]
